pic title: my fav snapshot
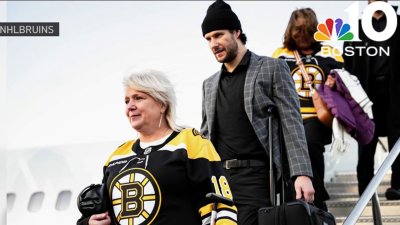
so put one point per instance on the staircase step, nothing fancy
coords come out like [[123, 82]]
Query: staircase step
[[347, 195], [390, 220], [341, 208], [352, 187], [352, 176]]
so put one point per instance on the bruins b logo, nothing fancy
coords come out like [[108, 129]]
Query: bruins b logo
[[136, 197], [315, 74]]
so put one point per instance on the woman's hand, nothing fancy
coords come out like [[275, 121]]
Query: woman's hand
[[100, 219], [304, 188], [330, 81]]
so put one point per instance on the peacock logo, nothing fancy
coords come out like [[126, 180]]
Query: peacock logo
[[325, 31]]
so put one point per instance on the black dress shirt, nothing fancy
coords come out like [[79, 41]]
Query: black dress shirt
[[236, 138]]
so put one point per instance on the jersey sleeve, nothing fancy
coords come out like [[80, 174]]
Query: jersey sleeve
[[84, 220], [206, 175], [277, 53]]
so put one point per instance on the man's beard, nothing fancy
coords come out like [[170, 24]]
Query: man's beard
[[231, 53]]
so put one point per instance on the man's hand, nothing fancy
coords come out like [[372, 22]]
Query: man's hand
[[304, 188]]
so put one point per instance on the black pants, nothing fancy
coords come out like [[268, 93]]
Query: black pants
[[250, 189], [318, 135], [365, 167], [366, 153]]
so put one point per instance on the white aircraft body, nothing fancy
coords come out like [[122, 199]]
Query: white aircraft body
[[43, 183]]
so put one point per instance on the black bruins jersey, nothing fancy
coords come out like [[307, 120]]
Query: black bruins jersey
[[318, 66], [167, 184]]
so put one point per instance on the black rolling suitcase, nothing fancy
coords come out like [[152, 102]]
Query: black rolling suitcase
[[296, 212]]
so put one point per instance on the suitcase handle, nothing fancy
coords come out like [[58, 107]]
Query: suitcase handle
[[273, 113], [270, 111]]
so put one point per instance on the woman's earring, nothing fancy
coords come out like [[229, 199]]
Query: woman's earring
[[159, 124]]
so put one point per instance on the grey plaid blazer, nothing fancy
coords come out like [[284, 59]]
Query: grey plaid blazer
[[268, 82]]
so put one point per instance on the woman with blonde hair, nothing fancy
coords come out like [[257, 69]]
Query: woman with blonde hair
[[163, 176]]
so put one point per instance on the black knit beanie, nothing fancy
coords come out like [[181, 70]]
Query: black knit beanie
[[220, 17]]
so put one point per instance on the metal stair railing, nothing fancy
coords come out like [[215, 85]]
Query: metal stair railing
[[376, 209], [371, 189]]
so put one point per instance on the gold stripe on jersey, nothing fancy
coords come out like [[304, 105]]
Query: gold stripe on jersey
[[205, 209], [116, 201], [208, 208], [122, 151], [283, 52], [226, 207], [222, 211], [197, 146], [225, 222], [308, 112]]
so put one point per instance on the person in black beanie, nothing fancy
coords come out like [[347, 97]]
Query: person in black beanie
[[219, 17], [235, 118]]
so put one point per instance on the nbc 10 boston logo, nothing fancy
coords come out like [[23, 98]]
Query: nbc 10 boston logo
[[339, 30]]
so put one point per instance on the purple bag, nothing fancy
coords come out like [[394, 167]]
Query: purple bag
[[348, 112]]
